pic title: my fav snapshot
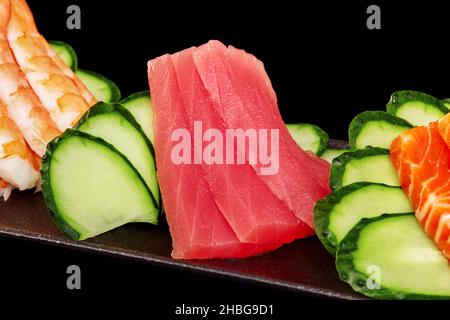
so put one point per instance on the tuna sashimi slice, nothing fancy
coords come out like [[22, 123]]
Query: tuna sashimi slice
[[241, 94], [197, 226], [422, 160], [254, 213], [252, 71]]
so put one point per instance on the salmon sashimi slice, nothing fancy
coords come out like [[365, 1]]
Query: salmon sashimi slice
[[198, 228], [422, 160], [22, 105], [444, 128], [57, 87], [241, 94], [254, 213]]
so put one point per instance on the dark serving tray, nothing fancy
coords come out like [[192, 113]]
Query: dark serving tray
[[303, 266]]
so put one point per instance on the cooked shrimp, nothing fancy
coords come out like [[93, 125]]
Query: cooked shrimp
[[22, 105], [87, 95], [19, 166], [57, 87]]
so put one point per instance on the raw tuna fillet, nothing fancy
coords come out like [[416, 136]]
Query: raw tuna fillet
[[241, 94], [254, 213], [197, 226], [422, 160]]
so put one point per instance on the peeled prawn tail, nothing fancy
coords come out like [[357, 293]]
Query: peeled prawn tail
[[60, 91], [22, 105], [28, 27], [87, 95]]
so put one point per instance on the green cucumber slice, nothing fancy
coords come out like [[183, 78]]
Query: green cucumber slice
[[391, 257], [330, 154], [66, 53], [102, 88], [90, 188], [375, 129], [336, 214], [417, 108], [141, 107], [309, 137], [117, 126], [369, 165]]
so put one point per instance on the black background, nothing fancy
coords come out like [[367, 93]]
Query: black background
[[325, 65]]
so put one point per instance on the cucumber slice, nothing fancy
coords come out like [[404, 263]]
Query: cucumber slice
[[417, 108], [66, 53], [90, 188], [309, 137], [369, 165], [114, 124], [330, 154], [376, 129], [102, 88], [395, 250], [339, 212], [140, 106], [446, 103]]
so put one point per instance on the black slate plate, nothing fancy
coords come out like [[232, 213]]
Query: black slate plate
[[303, 266]]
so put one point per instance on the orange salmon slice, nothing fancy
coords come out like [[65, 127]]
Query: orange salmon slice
[[421, 157]]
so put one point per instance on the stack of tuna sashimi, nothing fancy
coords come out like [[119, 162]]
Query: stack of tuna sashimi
[[223, 209]]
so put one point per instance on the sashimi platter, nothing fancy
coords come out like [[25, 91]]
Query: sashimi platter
[[200, 172]]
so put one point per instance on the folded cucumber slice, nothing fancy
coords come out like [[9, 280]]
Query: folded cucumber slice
[[117, 126], [369, 165], [336, 214], [376, 129], [309, 137], [391, 257], [90, 187], [66, 53], [102, 88], [140, 106], [417, 108], [330, 154]]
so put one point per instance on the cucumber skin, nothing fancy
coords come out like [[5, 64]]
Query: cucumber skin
[[361, 119], [47, 189], [399, 98], [446, 103], [347, 273], [339, 163], [324, 138], [115, 91], [325, 205], [139, 94], [104, 107], [71, 51], [46, 185]]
